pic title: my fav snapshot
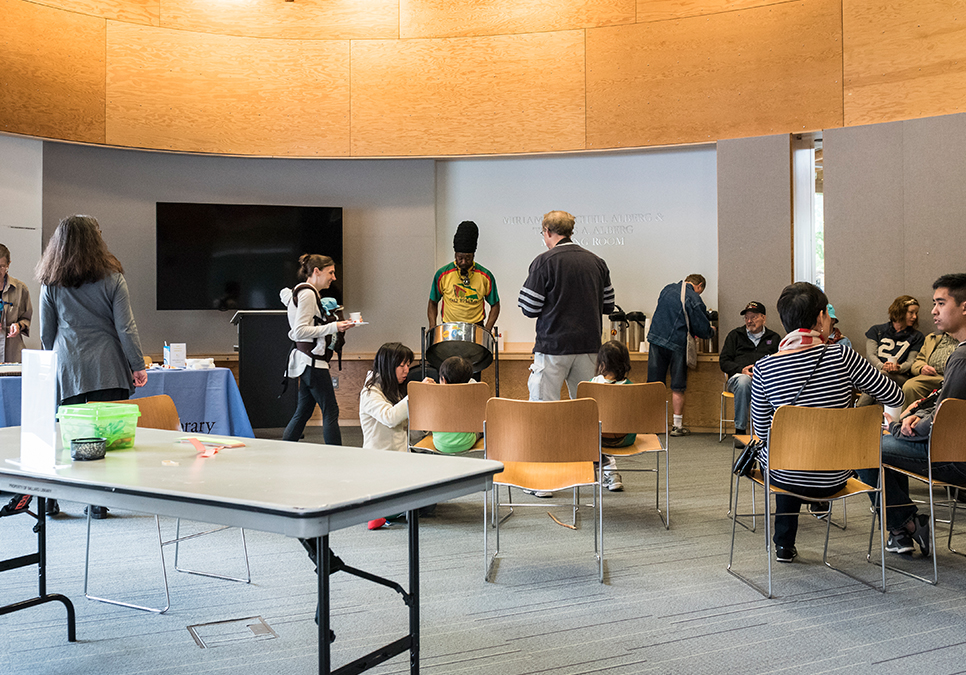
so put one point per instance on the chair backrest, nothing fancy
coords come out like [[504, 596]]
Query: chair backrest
[[629, 408], [947, 440], [542, 431], [157, 412], [447, 407], [825, 439]]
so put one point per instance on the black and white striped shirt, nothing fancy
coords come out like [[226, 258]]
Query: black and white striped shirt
[[778, 378]]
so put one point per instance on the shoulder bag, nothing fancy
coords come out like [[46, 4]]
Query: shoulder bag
[[748, 459], [692, 347]]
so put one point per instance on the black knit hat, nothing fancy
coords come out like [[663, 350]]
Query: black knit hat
[[467, 234]]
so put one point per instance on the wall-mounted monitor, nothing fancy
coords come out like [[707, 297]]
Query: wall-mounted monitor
[[238, 256]]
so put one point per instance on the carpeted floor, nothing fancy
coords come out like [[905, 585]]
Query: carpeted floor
[[667, 604]]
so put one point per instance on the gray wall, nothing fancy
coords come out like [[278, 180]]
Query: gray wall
[[754, 226], [389, 228], [895, 216], [21, 196]]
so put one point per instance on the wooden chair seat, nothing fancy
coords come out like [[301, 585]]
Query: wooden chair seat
[[426, 445], [643, 443], [546, 476]]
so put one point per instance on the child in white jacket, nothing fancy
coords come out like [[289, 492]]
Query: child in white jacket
[[384, 405]]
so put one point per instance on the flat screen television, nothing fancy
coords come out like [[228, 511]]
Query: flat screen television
[[238, 256]]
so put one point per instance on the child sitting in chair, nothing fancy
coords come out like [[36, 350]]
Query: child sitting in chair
[[454, 370], [613, 365]]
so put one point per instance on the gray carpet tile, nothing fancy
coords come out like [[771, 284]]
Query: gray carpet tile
[[667, 604]]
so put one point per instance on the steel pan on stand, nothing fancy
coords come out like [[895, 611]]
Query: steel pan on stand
[[469, 340]]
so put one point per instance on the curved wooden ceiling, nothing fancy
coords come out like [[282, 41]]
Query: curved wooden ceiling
[[388, 78]]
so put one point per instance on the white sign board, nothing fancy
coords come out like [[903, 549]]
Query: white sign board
[[38, 432]]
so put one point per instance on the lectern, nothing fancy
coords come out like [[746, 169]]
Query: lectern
[[263, 348]]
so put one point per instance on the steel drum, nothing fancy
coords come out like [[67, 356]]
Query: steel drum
[[468, 340]]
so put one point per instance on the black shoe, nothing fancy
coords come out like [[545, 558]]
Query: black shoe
[[53, 508], [820, 510], [921, 534], [900, 542], [785, 554], [97, 512], [741, 432], [18, 504]]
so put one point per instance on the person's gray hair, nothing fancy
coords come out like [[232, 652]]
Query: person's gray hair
[[559, 222]]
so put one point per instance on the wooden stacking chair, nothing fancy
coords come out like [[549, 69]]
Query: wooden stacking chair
[[947, 443], [818, 439], [722, 420], [636, 409], [446, 407], [159, 412], [544, 445]]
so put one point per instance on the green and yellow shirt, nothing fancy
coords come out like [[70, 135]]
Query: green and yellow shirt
[[463, 302]]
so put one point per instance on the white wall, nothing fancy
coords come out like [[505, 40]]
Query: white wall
[[652, 215], [21, 203]]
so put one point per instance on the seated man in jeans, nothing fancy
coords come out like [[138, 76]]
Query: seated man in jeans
[[908, 446], [743, 346]]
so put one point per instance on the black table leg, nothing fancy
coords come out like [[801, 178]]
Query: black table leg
[[414, 591], [322, 547], [40, 559]]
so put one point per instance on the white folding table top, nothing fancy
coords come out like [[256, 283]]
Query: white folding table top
[[296, 489]]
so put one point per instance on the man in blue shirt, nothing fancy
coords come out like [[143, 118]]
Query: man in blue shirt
[[668, 339]]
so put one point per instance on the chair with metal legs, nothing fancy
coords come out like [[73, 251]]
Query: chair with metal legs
[[159, 412], [722, 420], [639, 409], [818, 439], [947, 443], [544, 445]]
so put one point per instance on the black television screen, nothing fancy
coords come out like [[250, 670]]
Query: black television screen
[[238, 256]]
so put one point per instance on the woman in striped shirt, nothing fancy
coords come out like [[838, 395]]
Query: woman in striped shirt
[[832, 372]]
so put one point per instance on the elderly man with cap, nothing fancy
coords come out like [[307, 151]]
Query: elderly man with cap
[[463, 286], [743, 346]]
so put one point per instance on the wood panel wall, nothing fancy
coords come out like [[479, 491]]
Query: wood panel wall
[[385, 78]]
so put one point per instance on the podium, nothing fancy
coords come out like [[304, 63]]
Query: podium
[[263, 348]]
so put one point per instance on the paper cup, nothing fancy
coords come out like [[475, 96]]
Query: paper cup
[[355, 316]]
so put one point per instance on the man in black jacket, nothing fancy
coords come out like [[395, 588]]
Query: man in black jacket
[[743, 346]]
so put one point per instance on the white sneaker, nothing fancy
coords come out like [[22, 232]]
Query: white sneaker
[[612, 481], [542, 494]]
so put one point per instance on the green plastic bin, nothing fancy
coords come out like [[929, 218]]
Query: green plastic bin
[[116, 422]]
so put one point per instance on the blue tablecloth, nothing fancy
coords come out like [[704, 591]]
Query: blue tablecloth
[[10, 401], [208, 401]]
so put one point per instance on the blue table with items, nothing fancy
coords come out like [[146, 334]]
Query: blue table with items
[[208, 400]]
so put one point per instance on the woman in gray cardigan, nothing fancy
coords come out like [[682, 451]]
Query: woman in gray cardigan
[[86, 318]]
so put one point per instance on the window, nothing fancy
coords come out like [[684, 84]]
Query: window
[[808, 212]]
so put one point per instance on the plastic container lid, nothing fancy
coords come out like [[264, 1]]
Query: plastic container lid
[[98, 410]]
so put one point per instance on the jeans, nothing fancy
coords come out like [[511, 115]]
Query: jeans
[[315, 386], [911, 456], [740, 386], [787, 508], [548, 372]]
